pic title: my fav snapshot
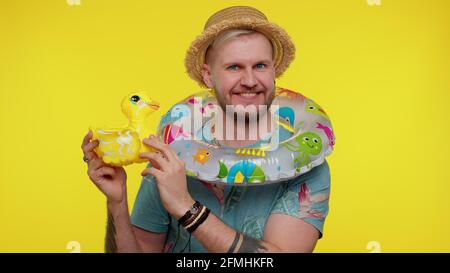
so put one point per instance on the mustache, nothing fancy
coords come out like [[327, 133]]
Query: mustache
[[259, 112], [251, 90]]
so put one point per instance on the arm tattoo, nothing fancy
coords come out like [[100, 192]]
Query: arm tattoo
[[251, 245], [110, 238]]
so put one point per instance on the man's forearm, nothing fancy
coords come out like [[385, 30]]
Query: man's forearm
[[216, 236], [110, 237], [119, 232]]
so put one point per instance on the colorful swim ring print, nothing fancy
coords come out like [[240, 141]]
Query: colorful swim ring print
[[301, 139]]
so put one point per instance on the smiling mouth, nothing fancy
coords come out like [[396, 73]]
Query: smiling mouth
[[247, 94]]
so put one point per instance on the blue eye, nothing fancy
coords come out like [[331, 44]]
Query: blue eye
[[232, 67], [260, 66]]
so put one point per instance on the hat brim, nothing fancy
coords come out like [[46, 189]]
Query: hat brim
[[284, 48]]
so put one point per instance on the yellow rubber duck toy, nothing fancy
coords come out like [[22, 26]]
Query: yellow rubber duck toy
[[122, 146]]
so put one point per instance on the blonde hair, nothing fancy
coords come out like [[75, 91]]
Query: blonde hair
[[229, 34]]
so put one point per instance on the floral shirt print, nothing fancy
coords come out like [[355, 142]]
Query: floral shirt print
[[246, 209]]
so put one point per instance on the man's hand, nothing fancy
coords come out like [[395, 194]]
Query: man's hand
[[110, 180], [168, 169]]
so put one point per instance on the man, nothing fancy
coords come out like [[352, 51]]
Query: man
[[239, 55]]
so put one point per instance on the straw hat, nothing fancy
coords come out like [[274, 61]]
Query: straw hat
[[239, 17]]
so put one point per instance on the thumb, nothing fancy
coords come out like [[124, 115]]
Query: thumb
[[119, 170], [102, 171], [107, 171]]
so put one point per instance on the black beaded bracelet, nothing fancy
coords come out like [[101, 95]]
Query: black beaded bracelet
[[191, 212]]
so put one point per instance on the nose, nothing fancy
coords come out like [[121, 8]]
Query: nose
[[248, 79]]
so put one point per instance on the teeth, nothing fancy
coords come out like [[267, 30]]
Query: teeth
[[248, 94]]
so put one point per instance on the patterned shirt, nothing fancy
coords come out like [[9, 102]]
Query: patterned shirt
[[245, 209]]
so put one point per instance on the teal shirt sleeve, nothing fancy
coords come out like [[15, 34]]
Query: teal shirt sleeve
[[306, 197], [148, 212]]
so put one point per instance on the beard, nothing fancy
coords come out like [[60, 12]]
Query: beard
[[247, 115]]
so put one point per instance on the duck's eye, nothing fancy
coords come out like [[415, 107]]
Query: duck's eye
[[312, 107], [288, 119], [135, 99], [315, 140], [208, 153], [305, 138]]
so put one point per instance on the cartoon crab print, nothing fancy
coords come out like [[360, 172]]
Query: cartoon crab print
[[309, 143]]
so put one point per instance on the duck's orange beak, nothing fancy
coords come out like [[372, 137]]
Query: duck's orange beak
[[153, 104]]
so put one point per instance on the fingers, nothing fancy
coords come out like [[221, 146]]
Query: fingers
[[159, 145], [97, 175], [158, 158], [95, 163], [153, 171], [106, 171], [86, 139], [155, 164], [88, 146]]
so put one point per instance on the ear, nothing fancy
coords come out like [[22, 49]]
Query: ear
[[207, 76]]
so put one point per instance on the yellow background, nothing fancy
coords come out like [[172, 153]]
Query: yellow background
[[381, 73]]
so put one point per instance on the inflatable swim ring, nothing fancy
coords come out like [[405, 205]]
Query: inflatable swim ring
[[301, 139]]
